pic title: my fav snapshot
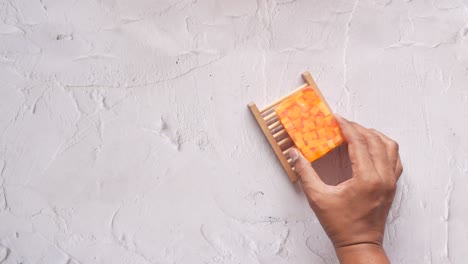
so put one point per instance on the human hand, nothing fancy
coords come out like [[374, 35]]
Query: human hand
[[353, 213]]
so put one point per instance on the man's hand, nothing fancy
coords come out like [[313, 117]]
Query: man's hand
[[353, 213]]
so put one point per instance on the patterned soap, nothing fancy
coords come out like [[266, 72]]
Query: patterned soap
[[310, 123]]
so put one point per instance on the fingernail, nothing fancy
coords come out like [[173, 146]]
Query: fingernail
[[294, 154]]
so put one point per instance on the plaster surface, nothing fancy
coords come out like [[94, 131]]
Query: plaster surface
[[125, 136]]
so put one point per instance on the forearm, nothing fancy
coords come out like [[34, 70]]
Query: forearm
[[362, 254]]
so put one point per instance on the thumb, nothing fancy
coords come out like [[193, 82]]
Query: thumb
[[306, 174]]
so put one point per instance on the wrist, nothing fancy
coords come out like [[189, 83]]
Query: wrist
[[362, 254]]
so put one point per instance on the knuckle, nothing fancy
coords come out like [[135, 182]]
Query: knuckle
[[390, 186], [394, 145], [399, 170], [375, 139], [299, 168], [360, 140]]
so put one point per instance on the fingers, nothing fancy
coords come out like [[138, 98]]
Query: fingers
[[307, 175], [370, 145], [399, 168], [392, 153], [377, 151], [357, 147], [391, 147]]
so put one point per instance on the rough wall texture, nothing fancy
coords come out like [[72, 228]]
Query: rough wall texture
[[125, 136]]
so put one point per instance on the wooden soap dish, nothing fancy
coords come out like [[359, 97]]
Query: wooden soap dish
[[274, 131]]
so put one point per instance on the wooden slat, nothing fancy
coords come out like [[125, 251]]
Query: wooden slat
[[269, 111], [280, 133], [274, 125], [279, 154], [285, 140], [276, 129], [271, 121], [270, 116]]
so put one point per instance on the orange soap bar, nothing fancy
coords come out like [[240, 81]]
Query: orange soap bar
[[310, 123]]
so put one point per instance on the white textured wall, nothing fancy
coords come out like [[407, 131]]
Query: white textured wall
[[125, 136]]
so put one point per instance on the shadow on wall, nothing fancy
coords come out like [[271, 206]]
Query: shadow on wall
[[335, 167]]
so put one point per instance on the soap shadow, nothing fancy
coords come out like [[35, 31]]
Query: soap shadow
[[335, 167]]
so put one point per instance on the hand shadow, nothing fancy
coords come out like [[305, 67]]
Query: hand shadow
[[335, 167]]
